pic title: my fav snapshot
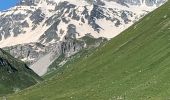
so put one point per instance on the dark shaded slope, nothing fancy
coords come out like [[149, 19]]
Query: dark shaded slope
[[14, 74]]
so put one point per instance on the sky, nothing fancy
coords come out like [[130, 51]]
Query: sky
[[5, 4]]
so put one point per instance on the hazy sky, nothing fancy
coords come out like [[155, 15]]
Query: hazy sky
[[5, 4]]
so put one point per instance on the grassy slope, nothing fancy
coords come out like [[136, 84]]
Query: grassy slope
[[133, 66], [14, 74]]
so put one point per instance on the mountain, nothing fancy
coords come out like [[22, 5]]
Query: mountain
[[132, 66], [38, 31], [140, 2], [14, 74]]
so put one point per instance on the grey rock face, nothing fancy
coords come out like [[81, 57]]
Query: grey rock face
[[50, 33], [27, 52], [12, 24], [37, 16], [32, 52]]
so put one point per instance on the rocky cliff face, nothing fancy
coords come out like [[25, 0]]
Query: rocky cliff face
[[35, 28]]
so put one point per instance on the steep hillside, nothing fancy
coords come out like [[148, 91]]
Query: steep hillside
[[14, 74], [35, 30], [133, 66]]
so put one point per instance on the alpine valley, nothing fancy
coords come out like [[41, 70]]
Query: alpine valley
[[41, 31], [85, 50]]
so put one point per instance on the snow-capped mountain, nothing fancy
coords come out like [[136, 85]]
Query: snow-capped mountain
[[41, 30]]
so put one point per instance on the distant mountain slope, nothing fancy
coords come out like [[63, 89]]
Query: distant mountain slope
[[36, 28], [14, 74], [135, 65], [47, 21]]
